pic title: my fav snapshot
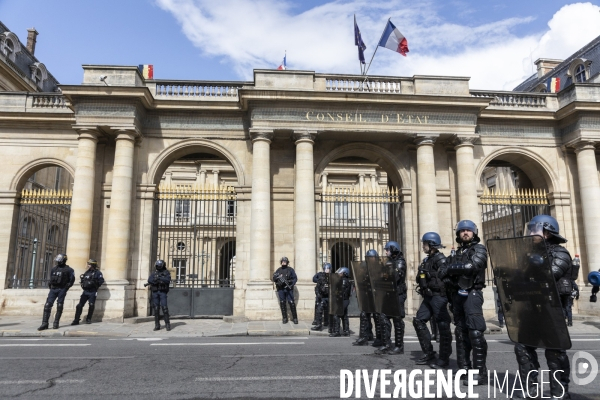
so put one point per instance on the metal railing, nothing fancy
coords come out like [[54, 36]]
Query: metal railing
[[40, 235], [195, 233]]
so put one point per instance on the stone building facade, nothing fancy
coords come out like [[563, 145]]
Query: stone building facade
[[315, 167]]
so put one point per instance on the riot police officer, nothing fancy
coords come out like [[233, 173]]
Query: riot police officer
[[396, 257], [435, 303], [62, 278], [285, 278], [159, 282], [366, 327], [322, 293], [464, 273], [560, 262], [91, 280], [344, 272]]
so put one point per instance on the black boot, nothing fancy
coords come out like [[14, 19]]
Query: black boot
[[425, 341], [318, 318], [156, 318], [362, 333], [78, 311], [435, 334], [369, 330], [45, 319], [462, 349], [445, 346], [316, 321], [335, 331], [479, 355], [386, 335], [558, 361], [398, 336], [88, 319], [283, 312], [330, 323], [527, 360], [345, 325], [59, 311], [294, 315], [377, 342], [166, 317]]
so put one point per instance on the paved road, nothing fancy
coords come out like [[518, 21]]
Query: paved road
[[235, 367]]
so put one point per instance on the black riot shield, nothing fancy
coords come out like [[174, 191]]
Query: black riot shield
[[362, 283], [384, 285], [532, 309], [336, 295]]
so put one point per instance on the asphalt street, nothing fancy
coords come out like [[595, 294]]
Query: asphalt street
[[221, 367]]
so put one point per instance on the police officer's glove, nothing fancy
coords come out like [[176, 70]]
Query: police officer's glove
[[536, 260], [447, 281], [593, 298], [428, 292]]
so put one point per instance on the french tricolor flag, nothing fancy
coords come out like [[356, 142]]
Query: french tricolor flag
[[553, 85], [147, 71], [283, 65], [394, 40]]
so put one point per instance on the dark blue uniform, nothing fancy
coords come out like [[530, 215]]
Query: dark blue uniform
[[62, 277], [91, 280], [160, 281], [285, 278]]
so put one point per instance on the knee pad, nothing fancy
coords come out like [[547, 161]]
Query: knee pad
[[165, 309], [523, 356], [419, 324], [91, 303]]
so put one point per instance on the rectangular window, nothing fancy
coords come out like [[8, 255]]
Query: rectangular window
[[231, 208], [340, 210], [180, 266], [182, 208], [491, 181]]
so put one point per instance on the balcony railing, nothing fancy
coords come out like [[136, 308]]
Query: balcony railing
[[198, 90], [518, 100], [48, 100], [337, 83]]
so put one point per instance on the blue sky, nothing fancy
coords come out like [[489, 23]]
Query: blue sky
[[493, 42]]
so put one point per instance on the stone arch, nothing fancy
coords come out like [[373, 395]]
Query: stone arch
[[396, 171], [28, 169], [190, 146], [537, 169]]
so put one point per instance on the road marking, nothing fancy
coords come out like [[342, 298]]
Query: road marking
[[585, 340], [41, 382], [44, 344], [142, 339], [221, 344], [65, 358], [268, 378], [7, 338], [300, 355]]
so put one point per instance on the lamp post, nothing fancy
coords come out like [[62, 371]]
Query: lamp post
[[33, 260]]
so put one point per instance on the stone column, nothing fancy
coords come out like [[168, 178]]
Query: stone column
[[361, 181], [82, 203], [468, 203], [305, 252], [373, 182], [119, 226], [260, 217], [324, 180], [426, 189], [215, 207], [589, 190], [202, 177], [216, 177]]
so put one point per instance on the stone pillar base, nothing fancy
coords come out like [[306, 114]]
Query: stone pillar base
[[115, 302]]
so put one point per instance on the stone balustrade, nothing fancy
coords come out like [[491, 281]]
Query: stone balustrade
[[354, 83], [518, 100], [198, 90], [48, 100]]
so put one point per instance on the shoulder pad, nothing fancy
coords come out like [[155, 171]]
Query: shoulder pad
[[439, 260], [479, 255], [560, 258]]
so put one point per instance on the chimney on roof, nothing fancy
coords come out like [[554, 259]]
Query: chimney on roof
[[545, 65], [31, 39]]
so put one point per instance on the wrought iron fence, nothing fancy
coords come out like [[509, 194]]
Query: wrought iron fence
[[41, 233], [195, 233], [505, 214], [355, 220]]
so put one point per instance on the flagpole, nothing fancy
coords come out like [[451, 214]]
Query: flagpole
[[360, 64], [376, 48]]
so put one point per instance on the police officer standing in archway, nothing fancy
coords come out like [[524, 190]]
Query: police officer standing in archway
[[557, 359], [435, 303], [159, 282], [322, 293], [396, 257], [464, 273], [91, 280], [285, 278], [62, 278]]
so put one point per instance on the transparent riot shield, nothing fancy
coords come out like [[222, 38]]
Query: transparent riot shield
[[362, 283], [336, 295], [532, 308], [383, 284]]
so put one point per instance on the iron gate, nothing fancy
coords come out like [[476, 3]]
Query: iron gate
[[40, 234], [505, 214], [355, 220], [195, 233]]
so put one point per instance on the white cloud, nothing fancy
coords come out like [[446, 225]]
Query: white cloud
[[251, 34]]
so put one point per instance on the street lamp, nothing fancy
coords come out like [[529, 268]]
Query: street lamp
[[33, 259]]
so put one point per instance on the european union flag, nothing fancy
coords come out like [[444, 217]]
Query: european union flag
[[359, 42]]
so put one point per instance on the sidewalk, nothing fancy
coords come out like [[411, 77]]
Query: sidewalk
[[26, 326]]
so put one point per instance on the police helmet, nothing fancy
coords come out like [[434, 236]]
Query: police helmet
[[326, 267], [61, 259], [393, 247], [93, 263], [284, 259], [594, 278], [344, 271], [468, 225], [372, 253], [541, 223], [433, 240], [160, 264]]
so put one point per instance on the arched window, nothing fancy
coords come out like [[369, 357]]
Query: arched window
[[580, 74], [53, 234], [9, 45], [28, 227], [579, 70], [9, 48]]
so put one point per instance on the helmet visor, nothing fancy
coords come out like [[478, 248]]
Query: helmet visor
[[535, 228]]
